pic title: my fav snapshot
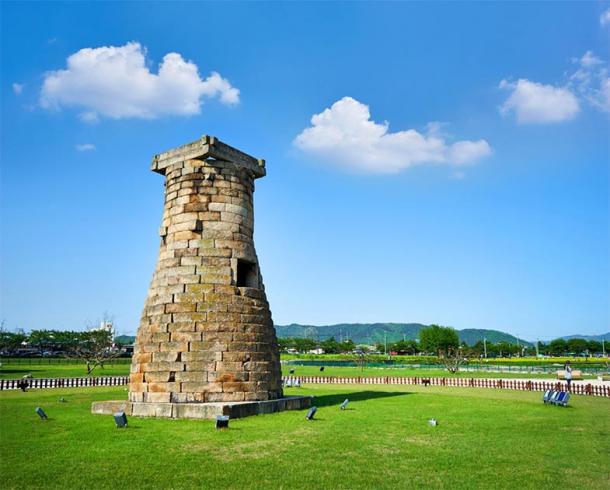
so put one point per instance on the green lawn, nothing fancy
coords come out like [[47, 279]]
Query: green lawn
[[355, 371], [37, 370], [8, 371], [485, 439]]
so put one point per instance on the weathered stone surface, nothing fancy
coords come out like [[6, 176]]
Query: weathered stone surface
[[206, 334], [157, 397], [152, 410], [188, 409], [111, 407]]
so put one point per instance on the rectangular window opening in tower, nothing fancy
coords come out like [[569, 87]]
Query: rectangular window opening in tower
[[247, 274]]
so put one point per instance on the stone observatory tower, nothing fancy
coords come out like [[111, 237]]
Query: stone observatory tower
[[206, 333]]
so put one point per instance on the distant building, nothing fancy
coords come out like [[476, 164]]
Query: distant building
[[107, 326], [318, 350]]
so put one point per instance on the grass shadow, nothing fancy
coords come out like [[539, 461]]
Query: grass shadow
[[329, 400]]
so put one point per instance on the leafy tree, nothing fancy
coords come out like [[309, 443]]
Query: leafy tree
[[543, 349], [478, 349], [284, 344], [54, 339], [438, 339], [406, 346], [94, 347], [331, 346], [347, 346], [445, 342], [504, 349], [594, 346], [453, 359], [299, 344], [577, 346], [10, 340], [558, 347], [304, 345], [529, 350], [381, 347], [365, 349]]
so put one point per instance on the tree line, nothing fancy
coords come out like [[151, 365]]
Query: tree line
[[50, 340], [93, 347], [437, 340], [329, 346], [431, 340]]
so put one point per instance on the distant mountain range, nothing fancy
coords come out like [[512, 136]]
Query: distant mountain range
[[371, 333], [599, 338]]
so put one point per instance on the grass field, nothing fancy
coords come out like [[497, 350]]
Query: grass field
[[354, 371], [416, 359], [8, 371], [485, 439]]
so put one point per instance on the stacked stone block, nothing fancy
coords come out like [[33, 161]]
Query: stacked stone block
[[206, 333]]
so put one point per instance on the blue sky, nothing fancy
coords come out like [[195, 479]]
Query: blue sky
[[457, 171]]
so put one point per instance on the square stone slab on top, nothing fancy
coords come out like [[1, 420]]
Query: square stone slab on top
[[234, 410], [208, 147]]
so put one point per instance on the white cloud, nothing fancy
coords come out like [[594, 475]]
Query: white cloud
[[591, 81], [589, 60], [345, 134], [533, 102], [465, 152], [17, 88], [604, 99], [115, 82], [85, 147], [604, 19], [89, 117]]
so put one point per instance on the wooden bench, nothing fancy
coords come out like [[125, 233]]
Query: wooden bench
[[576, 374]]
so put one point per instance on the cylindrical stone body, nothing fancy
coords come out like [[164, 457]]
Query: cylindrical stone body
[[206, 333]]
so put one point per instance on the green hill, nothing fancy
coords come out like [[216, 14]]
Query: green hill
[[604, 336], [371, 333], [125, 339], [360, 333], [472, 335]]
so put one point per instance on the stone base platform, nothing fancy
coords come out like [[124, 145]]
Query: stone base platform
[[234, 410]]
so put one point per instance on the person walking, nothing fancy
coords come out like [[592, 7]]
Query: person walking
[[568, 375]]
